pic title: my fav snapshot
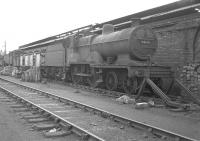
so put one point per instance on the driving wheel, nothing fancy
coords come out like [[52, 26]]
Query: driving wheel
[[130, 85], [111, 81], [76, 79]]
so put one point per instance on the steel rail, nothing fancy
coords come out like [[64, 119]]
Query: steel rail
[[89, 135], [154, 130]]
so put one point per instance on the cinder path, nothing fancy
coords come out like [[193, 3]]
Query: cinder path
[[179, 123]]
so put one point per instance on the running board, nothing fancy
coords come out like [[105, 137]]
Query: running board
[[160, 93], [188, 92]]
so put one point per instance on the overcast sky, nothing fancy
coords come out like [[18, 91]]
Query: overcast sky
[[25, 21]]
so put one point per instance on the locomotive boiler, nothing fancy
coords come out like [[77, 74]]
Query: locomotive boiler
[[138, 43], [115, 59]]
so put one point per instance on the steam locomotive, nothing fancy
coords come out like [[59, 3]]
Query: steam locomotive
[[119, 60], [116, 60]]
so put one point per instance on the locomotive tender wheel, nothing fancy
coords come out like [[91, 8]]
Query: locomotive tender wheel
[[92, 82], [111, 81], [68, 77], [76, 79], [130, 85]]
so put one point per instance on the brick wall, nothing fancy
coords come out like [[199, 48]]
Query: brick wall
[[175, 43]]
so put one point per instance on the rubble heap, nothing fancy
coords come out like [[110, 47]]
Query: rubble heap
[[190, 77]]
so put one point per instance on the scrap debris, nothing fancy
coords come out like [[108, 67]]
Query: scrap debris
[[138, 105], [142, 105], [125, 100]]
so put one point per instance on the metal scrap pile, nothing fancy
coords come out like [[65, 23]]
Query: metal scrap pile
[[8, 70], [31, 75]]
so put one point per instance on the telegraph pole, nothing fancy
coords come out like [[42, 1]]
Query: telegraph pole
[[4, 53], [5, 47]]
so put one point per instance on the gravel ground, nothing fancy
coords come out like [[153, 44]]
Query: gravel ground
[[13, 128], [184, 123]]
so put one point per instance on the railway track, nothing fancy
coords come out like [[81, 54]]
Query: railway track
[[86, 121]]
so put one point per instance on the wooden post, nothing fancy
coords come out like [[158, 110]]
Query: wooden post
[[141, 90]]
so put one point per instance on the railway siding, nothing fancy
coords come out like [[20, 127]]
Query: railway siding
[[93, 126], [154, 118]]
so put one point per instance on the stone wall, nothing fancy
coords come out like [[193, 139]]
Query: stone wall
[[189, 75]]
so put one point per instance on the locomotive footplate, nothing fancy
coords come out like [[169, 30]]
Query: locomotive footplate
[[141, 70], [150, 71]]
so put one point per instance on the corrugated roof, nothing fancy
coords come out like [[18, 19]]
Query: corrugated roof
[[158, 13]]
